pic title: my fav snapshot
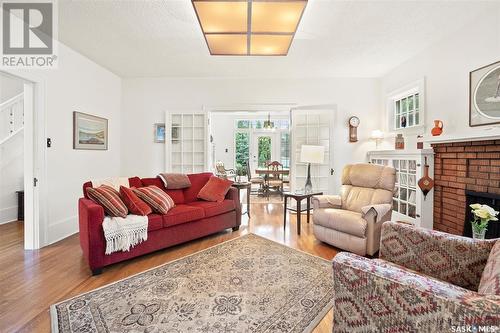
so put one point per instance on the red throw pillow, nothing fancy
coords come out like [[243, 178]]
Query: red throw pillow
[[109, 198], [134, 204], [160, 201], [215, 189]]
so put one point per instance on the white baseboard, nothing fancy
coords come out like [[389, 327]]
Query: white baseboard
[[62, 229], [8, 214]]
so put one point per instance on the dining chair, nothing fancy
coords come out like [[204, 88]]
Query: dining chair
[[274, 180], [254, 180], [222, 172]]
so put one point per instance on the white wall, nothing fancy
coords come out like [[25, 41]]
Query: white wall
[[78, 84], [144, 102], [11, 176], [11, 156], [9, 87], [446, 66]]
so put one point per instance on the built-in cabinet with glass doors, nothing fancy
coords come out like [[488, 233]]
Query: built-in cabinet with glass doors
[[408, 202]]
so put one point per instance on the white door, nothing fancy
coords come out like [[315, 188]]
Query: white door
[[263, 148], [312, 125]]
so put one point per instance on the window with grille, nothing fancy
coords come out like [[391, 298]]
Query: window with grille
[[405, 108]]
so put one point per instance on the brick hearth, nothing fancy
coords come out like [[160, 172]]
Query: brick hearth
[[461, 166]]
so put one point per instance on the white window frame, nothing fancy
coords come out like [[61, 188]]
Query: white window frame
[[417, 87]]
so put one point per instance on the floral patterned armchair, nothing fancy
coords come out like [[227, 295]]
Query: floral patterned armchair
[[424, 281]]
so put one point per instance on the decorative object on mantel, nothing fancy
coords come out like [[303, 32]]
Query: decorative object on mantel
[[159, 133], [420, 142], [89, 132], [377, 136], [426, 183], [484, 95], [483, 214], [353, 129], [438, 128], [400, 142]]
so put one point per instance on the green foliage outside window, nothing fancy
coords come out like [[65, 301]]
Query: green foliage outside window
[[242, 150], [264, 150]]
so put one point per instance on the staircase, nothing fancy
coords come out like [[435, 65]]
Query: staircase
[[11, 118]]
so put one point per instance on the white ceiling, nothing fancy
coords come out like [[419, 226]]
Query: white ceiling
[[335, 38]]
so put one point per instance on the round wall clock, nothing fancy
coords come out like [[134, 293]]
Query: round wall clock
[[353, 129]]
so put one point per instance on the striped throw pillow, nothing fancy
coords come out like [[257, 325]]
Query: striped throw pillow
[[157, 199], [109, 198]]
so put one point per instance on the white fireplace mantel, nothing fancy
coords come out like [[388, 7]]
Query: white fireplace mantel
[[492, 133]]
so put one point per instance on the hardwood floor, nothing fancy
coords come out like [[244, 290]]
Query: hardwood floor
[[30, 281]]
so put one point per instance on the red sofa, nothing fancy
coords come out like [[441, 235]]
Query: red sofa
[[189, 219]]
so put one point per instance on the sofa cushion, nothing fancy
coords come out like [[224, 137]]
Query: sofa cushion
[[341, 220], [215, 189], [109, 199], [182, 214], [176, 195], [175, 181], [157, 199], [134, 204], [490, 280], [214, 208], [155, 222], [133, 182], [198, 180]]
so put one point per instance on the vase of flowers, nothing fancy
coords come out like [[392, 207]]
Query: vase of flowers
[[482, 214]]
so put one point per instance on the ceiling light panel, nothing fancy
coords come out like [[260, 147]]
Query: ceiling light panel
[[222, 16], [276, 17], [249, 27], [221, 44], [263, 45]]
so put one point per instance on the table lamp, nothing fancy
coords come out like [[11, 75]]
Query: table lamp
[[311, 154]]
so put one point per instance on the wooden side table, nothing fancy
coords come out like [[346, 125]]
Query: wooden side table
[[298, 197], [248, 187]]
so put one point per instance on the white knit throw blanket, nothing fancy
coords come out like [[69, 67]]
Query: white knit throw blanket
[[123, 233]]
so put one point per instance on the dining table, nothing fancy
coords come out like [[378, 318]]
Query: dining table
[[266, 172]]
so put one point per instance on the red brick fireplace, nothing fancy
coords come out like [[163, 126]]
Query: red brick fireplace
[[460, 166]]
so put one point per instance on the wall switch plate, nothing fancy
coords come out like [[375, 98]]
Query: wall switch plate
[[49, 143]]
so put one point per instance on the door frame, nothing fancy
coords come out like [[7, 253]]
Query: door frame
[[35, 158], [238, 107]]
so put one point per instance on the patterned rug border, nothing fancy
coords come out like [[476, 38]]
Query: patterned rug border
[[312, 325]]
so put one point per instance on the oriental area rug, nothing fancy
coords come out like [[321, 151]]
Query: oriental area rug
[[249, 284]]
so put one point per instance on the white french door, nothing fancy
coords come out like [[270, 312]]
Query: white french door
[[312, 125]]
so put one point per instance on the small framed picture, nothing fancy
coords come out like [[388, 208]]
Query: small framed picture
[[89, 132], [159, 132], [484, 96]]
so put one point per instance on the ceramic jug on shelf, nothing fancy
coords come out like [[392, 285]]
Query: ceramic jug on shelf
[[438, 128]]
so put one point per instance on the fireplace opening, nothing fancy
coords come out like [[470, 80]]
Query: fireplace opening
[[490, 199]]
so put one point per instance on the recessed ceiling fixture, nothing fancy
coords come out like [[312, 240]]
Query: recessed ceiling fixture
[[249, 27]]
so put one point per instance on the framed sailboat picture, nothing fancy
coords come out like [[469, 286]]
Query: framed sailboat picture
[[484, 96], [89, 132]]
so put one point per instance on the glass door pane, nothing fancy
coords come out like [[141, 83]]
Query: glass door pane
[[264, 150]]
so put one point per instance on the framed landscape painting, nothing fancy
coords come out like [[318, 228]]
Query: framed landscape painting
[[484, 97], [89, 132]]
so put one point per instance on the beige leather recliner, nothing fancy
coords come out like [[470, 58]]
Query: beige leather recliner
[[352, 220]]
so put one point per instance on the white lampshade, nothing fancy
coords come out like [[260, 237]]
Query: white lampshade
[[377, 134], [312, 154]]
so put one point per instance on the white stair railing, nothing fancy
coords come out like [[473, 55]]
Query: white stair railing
[[11, 117]]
